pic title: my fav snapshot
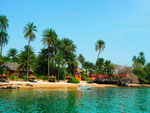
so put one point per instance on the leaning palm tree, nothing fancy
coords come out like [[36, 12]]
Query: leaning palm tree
[[30, 36], [99, 46], [3, 27], [49, 37]]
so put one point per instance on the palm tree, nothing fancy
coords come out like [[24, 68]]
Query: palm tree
[[141, 58], [49, 40], [1, 59], [100, 64], [23, 58], [30, 36], [4, 38], [3, 27], [12, 53], [99, 46], [68, 48], [81, 59]]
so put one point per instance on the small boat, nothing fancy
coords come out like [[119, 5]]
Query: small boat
[[84, 87]]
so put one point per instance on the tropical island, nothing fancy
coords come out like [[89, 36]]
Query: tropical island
[[58, 62]]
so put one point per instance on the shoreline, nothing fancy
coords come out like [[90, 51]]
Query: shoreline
[[43, 84]]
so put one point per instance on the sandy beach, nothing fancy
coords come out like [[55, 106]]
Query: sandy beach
[[43, 84], [61, 84]]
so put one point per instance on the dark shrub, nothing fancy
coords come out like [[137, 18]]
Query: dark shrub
[[73, 80]]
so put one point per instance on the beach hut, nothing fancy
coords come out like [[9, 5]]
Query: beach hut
[[32, 78], [52, 78], [3, 78], [77, 73], [12, 68]]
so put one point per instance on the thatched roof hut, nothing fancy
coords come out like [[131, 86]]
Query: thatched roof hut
[[3, 76], [10, 66], [32, 77], [77, 70], [51, 77]]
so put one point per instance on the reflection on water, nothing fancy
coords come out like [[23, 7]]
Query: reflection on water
[[97, 100]]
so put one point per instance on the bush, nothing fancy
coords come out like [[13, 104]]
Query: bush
[[16, 78], [89, 80], [4, 71], [52, 80], [12, 77], [73, 80], [44, 77], [25, 77], [84, 77], [22, 75]]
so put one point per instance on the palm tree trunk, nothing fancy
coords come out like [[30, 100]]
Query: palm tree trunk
[[1, 44], [97, 59], [65, 71], [58, 72], [28, 60], [98, 55], [48, 62], [1, 41]]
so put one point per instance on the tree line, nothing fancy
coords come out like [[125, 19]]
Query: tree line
[[57, 57]]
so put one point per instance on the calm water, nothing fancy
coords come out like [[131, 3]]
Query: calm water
[[97, 100]]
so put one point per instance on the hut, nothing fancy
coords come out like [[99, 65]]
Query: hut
[[77, 73], [52, 78], [32, 78], [12, 68], [3, 78]]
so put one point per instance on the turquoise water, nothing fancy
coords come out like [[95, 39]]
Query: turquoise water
[[97, 100]]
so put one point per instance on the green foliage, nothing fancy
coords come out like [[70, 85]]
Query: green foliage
[[73, 80], [12, 77], [22, 75], [140, 69], [4, 71], [52, 80], [84, 77], [16, 78], [81, 59], [44, 77], [23, 59], [89, 80], [25, 77], [12, 53], [3, 31]]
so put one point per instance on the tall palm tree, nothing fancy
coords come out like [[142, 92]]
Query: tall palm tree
[[23, 58], [3, 27], [99, 46], [49, 40], [68, 48], [4, 38], [1, 59], [29, 30], [81, 59], [12, 53]]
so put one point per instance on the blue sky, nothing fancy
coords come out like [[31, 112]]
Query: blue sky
[[124, 25]]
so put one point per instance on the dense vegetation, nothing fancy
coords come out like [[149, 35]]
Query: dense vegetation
[[58, 56], [141, 68]]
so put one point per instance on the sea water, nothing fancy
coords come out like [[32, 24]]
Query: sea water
[[97, 100]]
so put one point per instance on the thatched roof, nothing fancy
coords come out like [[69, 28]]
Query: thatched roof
[[3, 75], [32, 77], [12, 66], [77, 70], [51, 77]]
